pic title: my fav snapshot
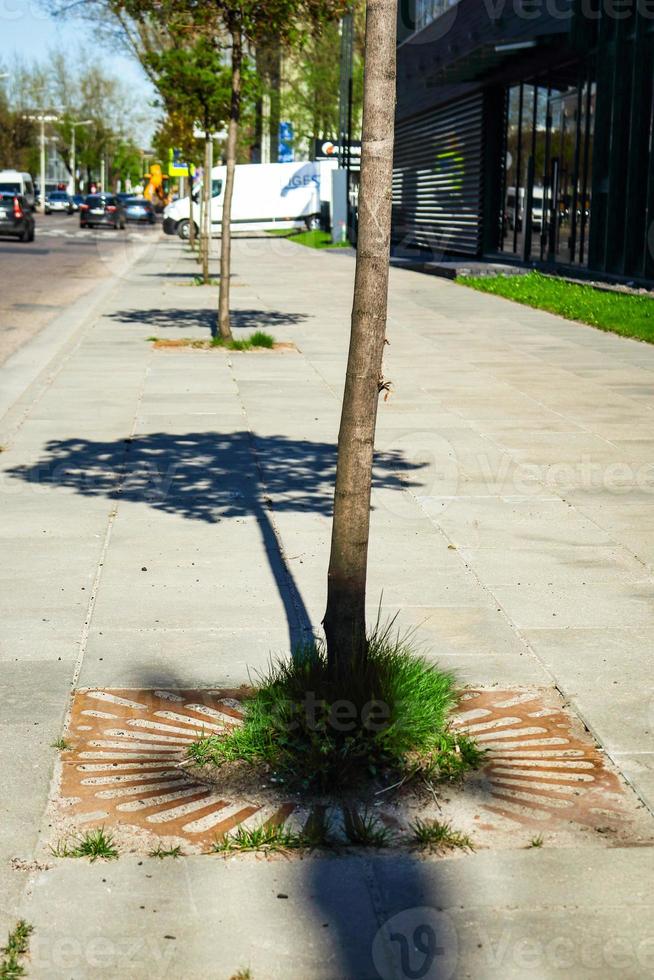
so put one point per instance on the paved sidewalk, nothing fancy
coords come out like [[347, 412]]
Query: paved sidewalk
[[165, 517]]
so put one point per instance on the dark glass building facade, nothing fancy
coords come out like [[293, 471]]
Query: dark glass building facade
[[525, 130]]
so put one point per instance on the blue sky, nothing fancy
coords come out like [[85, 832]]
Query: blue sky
[[27, 31]]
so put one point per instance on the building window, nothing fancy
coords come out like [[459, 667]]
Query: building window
[[548, 169], [428, 10]]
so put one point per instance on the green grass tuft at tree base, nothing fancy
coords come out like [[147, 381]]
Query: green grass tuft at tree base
[[256, 340], [390, 717], [622, 313]]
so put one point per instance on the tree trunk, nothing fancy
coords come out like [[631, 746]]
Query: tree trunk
[[206, 209], [344, 622], [191, 219], [232, 135], [275, 77]]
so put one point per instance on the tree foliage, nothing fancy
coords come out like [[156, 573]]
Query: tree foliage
[[73, 91], [311, 90], [17, 138]]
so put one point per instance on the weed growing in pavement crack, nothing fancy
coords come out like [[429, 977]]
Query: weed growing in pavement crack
[[17, 947], [171, 852], [267, 837], [432, 835], [366, 830], [61, 744], [93, 844]]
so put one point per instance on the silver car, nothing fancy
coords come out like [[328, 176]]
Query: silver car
[[59, 201]]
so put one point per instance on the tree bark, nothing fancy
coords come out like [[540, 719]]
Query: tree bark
[[191, 218], [206, 208], [275, 79], [345, 622], [232, 136]]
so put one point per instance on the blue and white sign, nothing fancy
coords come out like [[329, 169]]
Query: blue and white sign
[[285, 143]]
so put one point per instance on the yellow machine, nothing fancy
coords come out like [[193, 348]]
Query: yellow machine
[[156, 190]]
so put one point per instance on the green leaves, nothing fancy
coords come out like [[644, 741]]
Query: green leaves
[[623, 313], [194, 81]]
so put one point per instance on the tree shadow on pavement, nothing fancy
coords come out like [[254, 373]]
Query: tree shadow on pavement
[[210, 477], [362, 916], [162, 319]]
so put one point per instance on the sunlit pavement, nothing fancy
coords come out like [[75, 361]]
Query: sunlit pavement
[[64, 262], [145, 494]]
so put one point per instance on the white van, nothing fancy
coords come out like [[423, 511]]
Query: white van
[[266, 195], [536, 207], [17, 182]]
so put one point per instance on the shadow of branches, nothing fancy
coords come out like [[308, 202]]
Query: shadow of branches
[[161, 319], [205, 476]]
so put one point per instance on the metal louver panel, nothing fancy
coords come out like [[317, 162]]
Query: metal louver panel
[[437, 179]]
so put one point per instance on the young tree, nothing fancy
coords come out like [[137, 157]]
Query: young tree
[[312, 82], [194, 83], [177, 130], [345, 617], [256, 22], [246, 23]]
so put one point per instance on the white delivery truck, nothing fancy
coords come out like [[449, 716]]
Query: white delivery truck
[[266, 195]]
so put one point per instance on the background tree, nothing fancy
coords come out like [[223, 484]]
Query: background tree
[[254, 22], [311, 79], [194, 84], [176, 130], [345, 617], [150, 26], [77, 89], [17, 134]]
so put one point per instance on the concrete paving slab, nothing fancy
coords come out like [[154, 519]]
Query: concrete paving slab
[[581, 565], [605, 680], [326, 918], [507, 523], [188, 656], [605, 604]]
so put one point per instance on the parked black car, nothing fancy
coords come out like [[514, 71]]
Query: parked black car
[[16, 218], [139, 209], [102, 209], [78, 200]]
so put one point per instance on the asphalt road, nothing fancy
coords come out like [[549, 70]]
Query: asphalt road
[[38, 280]]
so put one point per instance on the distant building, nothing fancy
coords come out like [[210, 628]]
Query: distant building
[[525, 129], [56, 172]]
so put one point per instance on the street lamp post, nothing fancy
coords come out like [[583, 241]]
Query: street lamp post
[[71, 183], [42, 118], [42, 180]]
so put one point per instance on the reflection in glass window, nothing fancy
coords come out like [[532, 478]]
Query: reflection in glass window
[[429, 10]]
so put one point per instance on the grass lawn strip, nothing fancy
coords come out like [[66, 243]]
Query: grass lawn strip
[[312, 239], [621, 313]]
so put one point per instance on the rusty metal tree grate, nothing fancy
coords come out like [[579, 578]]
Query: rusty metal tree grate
[[123, 767]]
